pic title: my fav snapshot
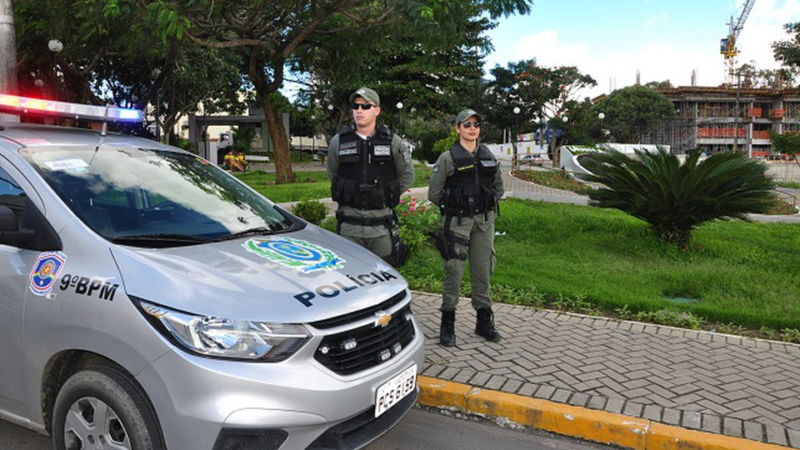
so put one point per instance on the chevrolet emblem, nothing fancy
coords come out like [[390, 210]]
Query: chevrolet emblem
[[382, 320]]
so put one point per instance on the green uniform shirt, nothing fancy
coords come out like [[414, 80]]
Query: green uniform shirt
[[445, 167], [401, 155]]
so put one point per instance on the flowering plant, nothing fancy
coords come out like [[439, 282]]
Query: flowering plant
[[416, 219]]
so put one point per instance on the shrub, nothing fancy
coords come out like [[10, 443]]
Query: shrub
[[416, 220], [313, 211], [443, 145], [673, 198]]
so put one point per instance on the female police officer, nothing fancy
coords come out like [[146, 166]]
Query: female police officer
[[466, 185]]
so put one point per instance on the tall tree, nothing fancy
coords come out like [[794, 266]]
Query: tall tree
[[110, 55], [432, 72], [267, 35], [788, 51], [539, 92], [634, 111]]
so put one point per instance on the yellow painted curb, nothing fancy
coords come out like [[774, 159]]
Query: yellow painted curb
[[592, 425], [665, 437], [442, 394]]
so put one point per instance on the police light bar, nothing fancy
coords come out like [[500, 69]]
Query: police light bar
[[13, 104]]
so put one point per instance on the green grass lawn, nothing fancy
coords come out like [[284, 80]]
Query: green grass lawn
[[307, 185], [745, 274]]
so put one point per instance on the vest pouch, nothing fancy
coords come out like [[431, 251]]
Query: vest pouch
[[381, 153], [392, 194], [370, 196], [488, 167], [349, 153]]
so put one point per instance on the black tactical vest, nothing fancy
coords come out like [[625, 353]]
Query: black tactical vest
[[470, 189], [367, 178]]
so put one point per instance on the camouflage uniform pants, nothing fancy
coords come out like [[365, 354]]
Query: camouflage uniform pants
[[481, 255]]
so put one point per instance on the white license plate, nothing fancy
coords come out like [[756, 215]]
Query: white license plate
[[394, 390]]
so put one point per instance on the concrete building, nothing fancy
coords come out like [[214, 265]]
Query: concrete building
[[719, 119]]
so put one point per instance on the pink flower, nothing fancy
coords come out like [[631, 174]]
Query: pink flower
[[402, 201], [412, 208], [408, 190], [414, 198], [405, 214]]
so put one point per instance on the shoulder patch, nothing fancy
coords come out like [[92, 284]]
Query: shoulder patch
[[406, 151], [435, 168]]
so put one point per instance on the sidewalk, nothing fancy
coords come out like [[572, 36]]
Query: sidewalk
[[713, 383]]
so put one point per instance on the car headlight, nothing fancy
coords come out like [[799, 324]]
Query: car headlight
[[227, 338]]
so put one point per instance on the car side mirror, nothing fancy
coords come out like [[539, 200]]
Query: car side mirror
[[10, 234], [8, 220]]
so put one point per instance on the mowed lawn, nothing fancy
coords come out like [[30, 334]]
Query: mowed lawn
[[307, 185], [739, 273]]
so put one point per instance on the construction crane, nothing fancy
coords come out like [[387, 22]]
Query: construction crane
[[727, 46]]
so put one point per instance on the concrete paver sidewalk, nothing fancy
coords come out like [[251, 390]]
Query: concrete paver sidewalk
[[721, 384]]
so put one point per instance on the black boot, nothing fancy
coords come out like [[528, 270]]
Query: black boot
[[484, 327], [447, 332]]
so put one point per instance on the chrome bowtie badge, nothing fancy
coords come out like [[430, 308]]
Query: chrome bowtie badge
[[382, 319]]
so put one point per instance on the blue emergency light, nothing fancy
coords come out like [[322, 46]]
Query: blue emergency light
[[16, 105]]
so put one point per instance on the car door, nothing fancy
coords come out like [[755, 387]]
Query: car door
[[16, 266]]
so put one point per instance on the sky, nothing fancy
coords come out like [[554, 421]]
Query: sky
[[663, 39]]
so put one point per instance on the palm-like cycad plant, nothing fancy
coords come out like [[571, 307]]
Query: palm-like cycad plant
[[675, 198]]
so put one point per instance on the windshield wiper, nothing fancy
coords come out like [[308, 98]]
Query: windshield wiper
[[257, 231], [163, 238]]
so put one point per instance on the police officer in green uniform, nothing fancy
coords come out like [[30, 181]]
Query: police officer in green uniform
[[369, 167], [466, 185]]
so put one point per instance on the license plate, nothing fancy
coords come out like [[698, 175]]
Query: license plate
[[394, 390]]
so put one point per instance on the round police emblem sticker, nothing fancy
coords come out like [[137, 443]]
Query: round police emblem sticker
[[295, 253], [45, 272]]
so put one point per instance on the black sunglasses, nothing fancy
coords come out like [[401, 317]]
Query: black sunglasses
[[364, 106], [471, 124]]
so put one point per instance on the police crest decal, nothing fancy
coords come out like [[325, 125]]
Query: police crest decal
[[45, 272], [295, 253]]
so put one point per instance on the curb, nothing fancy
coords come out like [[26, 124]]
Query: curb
[[596, 426]]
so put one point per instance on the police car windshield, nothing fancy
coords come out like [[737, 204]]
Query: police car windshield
[[126, 193]]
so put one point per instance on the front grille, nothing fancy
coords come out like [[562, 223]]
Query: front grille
[[374, 345], [361, 314]]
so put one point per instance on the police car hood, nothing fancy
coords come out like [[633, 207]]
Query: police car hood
[[296, 277]]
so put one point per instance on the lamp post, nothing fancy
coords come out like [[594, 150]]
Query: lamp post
[[155, 74], [601, 116], [399, 106], [514, 141]]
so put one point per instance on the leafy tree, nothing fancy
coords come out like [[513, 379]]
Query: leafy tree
[[543, 92], [666, 84], [787, 143], [676, 198], [634, 111], [753, 77], [111, 55], [433, 72], [267, 35], [788, 52]]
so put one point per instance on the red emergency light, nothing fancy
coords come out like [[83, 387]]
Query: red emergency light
[[16, 105]]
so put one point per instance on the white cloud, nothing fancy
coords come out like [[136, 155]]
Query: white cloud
[[660, 60], [652, 20]]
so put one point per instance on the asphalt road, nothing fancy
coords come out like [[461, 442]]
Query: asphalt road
[[420, 430]]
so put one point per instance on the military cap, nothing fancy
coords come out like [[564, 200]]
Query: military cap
[[466, 114], [367, 94]]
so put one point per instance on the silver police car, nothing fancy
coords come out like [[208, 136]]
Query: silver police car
[[150, 301]]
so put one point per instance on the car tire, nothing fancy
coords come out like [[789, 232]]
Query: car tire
[[126, 417]]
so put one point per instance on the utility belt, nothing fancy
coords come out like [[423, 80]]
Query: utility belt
[[387, 221], [400, 250]]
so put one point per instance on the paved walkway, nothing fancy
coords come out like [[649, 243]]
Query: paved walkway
[[704, 381]]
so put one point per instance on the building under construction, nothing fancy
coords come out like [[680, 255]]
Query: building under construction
[[725, 119]]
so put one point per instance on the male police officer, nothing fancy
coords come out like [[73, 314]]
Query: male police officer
[[466, 185], [369, 168]]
